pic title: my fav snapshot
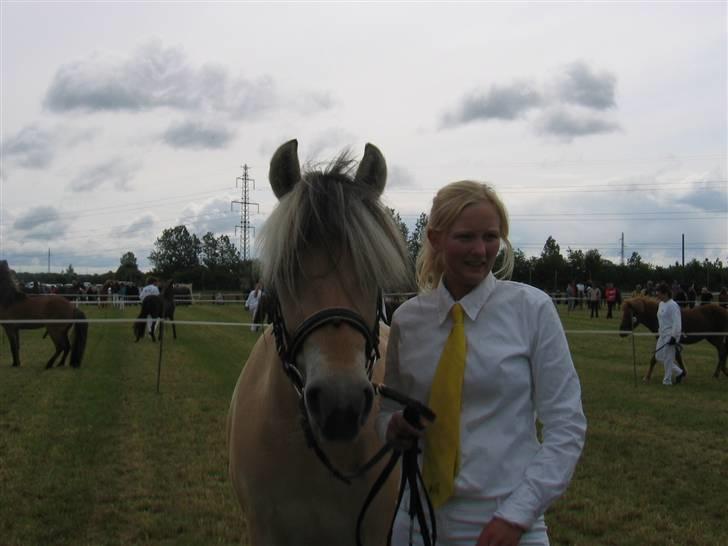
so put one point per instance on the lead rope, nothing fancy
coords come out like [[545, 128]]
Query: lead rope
[[411, 477]]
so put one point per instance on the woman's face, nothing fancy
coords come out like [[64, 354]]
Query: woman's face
[[469, 247]]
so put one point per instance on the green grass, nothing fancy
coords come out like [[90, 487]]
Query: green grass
[[95, 456]]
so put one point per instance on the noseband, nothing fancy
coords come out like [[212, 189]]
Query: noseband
[[289, 345]]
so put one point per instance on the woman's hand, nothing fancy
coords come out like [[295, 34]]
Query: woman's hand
[[499, 532], [401, 434]]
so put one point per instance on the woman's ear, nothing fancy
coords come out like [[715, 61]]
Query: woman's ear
[[435, 238]]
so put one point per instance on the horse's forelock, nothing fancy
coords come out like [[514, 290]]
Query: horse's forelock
[[331, 212]]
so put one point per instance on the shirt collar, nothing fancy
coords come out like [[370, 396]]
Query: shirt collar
[[471, 303]]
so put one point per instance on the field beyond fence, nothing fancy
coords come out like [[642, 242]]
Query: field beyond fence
[[95, 456]]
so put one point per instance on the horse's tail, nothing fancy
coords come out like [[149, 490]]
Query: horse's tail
[[80, 335], [140, 323]]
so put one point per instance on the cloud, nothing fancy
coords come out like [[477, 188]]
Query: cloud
[[567, 124], [399, 177], [33, 147], [116, 172], [214, 215], [571, 106], [42, 222], [583, 86], [138, 226], [500, 102], [198, 135], [155, 76], [709, 196]]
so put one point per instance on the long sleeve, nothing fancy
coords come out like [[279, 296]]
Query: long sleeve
[[557, 397]]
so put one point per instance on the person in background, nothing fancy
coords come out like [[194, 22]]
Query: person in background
[[251, 304], [151, 289], [610, 294], [723, 297], [706, 296], [595, 296], [669, 331], [500, 346], [692, 296]]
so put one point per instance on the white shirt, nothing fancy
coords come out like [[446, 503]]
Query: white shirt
[[518, 367], [253, 298], [669, 319], [148, 290]]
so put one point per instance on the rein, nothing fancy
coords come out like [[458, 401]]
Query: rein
[[288, 347]]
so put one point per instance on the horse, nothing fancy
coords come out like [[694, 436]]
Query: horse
[[156, 306], [706, 318], [326, 251], [16, 305]]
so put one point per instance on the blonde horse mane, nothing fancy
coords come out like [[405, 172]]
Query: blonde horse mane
[[330, 210]]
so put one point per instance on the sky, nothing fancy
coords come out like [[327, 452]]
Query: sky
[[603, 125]]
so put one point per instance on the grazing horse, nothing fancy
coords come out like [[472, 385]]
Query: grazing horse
[[15, 305], [327, 250], [156, 306], [706, 318]]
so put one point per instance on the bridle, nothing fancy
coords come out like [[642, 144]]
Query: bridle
[[288, 347]]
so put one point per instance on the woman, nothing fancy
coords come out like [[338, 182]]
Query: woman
[[517, 368]]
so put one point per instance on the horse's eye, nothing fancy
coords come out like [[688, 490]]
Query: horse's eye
[[634, 320]]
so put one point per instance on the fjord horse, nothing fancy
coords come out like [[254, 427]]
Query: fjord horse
[[16, 305], [709, 318], [156, 306], [326, 251]]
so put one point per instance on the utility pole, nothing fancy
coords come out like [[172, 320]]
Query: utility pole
[[621, 252], [683, 250], [245, 228], [49, 259]]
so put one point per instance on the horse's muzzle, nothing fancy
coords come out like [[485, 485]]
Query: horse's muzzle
[[338, 410]]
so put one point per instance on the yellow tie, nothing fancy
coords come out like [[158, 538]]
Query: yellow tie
[[442, 439]]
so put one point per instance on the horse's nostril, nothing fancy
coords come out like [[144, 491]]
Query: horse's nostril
[[313, 400]]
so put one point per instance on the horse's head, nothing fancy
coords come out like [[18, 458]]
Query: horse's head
[[631, 310], [326, 250]]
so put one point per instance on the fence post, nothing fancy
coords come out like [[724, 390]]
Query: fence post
[[161, 349]]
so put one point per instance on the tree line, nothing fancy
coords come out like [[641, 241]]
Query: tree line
[[214, 263]]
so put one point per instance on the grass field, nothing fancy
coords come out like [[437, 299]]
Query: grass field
[[95, 456]]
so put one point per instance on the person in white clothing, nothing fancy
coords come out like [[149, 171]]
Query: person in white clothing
[[669, 330], [151, 289], [518, 370], [251, 304]]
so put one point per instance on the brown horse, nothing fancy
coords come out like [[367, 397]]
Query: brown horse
[[705, 318], [15, 305], [326, 251]]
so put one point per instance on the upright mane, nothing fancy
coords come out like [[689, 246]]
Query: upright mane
[[331, 210], [9, 292], [647, 301]]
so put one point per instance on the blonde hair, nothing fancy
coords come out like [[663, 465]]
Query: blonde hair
[[447, 205]]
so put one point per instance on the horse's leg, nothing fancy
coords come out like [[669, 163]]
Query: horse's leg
[[14, 339], [722, 347], [153, 327], [66, 344], [57, 343], [679, 360]]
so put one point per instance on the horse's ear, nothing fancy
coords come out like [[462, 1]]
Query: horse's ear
[[285, 171], [372, 169]]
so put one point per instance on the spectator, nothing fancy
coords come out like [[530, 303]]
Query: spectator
[[706, 296]]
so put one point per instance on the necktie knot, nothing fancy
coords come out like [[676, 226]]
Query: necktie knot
[[457, 313]]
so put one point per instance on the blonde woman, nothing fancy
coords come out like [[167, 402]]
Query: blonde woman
[[517, 370]]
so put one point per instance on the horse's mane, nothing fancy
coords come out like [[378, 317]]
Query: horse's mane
[[648, 301], [328, 210], [9, 292]]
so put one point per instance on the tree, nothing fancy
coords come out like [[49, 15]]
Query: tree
[[399, 223], [414, 243], [593, 263], [128, 269], [635, 260], [176, 250]]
